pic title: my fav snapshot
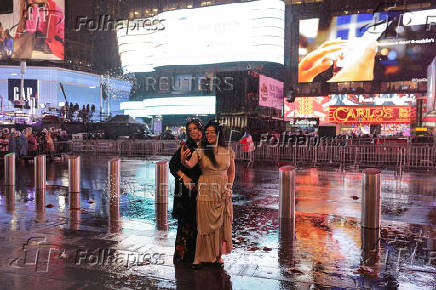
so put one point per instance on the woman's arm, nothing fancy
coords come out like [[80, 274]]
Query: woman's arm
[[175, 165], [231, 173], [191, 162]]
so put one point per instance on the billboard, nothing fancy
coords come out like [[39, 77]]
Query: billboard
[[385, 46], [270, 92], [318, 107], [236, 32], [370, 114], [33, 30]]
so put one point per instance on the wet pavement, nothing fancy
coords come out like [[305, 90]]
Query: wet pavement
[[128, 242]]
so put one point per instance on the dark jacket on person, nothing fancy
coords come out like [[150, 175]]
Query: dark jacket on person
[[184, 206], [12, 144]]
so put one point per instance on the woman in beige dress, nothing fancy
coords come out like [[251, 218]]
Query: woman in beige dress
[[214, 199]]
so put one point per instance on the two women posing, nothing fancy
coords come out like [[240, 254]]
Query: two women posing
[[204, 169]]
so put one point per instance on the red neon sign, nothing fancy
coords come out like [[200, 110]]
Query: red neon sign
[[370, 114]]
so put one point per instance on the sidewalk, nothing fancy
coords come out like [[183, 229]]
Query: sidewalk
[[87, 249]]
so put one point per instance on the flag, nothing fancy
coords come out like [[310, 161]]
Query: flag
[[247, 143]]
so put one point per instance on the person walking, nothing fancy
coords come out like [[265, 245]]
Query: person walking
[[185, 196], [214, 199], [13, 141], [22, 144], [32, 143]]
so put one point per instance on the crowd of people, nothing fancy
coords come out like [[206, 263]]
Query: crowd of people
[[27, 143]]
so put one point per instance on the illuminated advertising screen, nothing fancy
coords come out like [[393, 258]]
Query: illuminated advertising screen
[[370, 114], [386, 46], [270, 92], [237, 32], [33, 29], [318, 107], [308, 107]]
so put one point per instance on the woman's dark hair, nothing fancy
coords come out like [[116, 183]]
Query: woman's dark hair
[[196, 122], [209, 148]]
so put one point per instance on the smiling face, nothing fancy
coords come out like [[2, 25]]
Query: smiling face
[[211, 135], [194, 132]]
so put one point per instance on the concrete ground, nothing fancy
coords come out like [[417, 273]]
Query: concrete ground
[[48, 245]]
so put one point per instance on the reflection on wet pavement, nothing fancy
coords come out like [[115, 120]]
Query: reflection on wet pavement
[[101, 239]]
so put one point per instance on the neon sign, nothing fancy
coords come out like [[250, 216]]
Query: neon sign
[[370, 114]]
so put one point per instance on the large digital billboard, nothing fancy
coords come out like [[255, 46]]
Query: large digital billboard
[[385, 46], [318, 107], [237, 32], [370, 114], [33, 29]]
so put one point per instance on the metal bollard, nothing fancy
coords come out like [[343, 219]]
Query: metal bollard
[[287, 193], [370, 246], [114, 215], [161, 182], [371, 198], [74, 174], [40, 172], [10, 169], [286, 251], [113, 177], [161, 210], [114, 166], [10, 198], [75, 219]]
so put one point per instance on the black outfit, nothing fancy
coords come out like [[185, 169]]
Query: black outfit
[[184, 208]]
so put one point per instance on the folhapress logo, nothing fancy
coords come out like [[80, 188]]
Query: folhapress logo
[[107, 23]]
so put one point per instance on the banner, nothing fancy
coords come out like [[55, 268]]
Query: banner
[[370, 114], [270, 92], [34, 29]]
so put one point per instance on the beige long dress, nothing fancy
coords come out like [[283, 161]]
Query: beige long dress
[[214, 208]]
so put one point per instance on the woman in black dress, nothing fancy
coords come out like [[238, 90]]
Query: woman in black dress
[[185, 196]]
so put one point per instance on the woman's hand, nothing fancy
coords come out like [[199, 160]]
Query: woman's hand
[[319, 60], [358, 63], [228, 191], [187, 182]]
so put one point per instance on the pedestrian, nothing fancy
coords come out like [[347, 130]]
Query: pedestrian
[[49, 144], [22, 144], [13, 141], [214, 199], [32, 143], [185, 196]]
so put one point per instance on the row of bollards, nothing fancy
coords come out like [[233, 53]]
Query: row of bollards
[[371, 196], [370, 213], [114, 182]]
